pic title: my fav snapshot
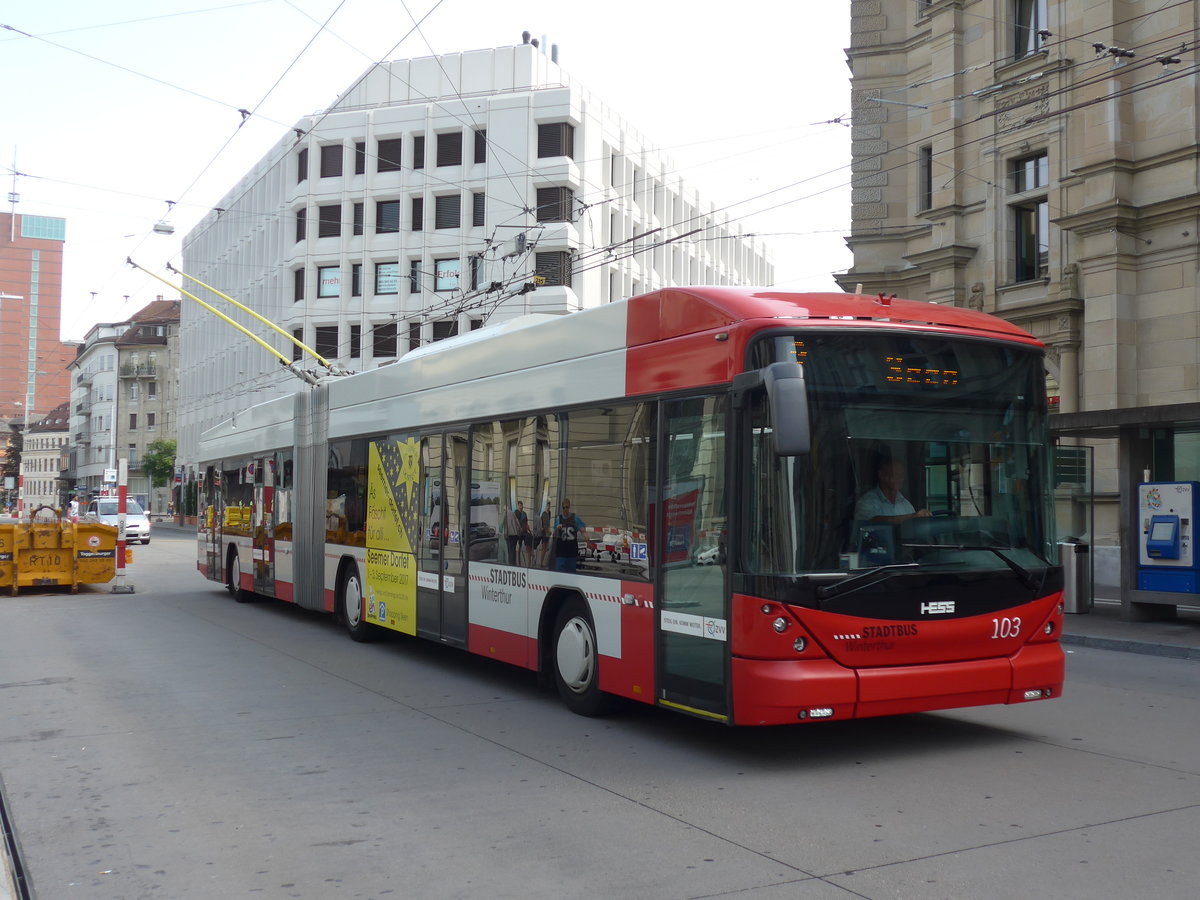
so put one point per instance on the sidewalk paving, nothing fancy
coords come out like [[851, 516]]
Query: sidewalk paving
[[1104, 628]]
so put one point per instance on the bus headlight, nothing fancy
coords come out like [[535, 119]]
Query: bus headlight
[[799, 644], [780, 625]]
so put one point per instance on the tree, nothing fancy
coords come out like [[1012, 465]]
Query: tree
[[159, 462]]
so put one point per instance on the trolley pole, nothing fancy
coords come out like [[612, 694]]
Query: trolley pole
[[119, 585]]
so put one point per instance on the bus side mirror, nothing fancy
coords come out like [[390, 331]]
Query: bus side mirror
[[787, 397]]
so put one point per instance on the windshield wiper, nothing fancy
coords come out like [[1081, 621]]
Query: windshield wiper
[[1027, 577], [862, 579]]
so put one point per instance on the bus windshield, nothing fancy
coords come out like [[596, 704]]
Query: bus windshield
[[928, 453]]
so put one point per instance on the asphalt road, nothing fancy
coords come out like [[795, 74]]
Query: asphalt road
[[171, 743]]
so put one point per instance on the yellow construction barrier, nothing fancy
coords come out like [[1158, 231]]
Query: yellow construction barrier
[[47, 552]]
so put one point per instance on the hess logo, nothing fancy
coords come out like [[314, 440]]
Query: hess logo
[[937, 608]]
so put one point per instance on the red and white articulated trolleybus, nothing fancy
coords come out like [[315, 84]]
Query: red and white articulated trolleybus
[[748, 505]]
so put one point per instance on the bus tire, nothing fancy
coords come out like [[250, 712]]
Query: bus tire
[[576, 660], [350, 604], [233, 583]]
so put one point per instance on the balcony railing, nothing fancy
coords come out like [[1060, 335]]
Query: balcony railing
[[139, 370]]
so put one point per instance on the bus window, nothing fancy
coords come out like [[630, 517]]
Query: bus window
[[607, 456]]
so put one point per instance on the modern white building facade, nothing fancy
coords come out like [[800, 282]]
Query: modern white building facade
[[435, 196]]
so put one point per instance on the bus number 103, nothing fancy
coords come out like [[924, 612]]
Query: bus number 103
[[1006, 627]]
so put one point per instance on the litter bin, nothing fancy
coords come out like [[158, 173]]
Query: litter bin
[[1077, 576]]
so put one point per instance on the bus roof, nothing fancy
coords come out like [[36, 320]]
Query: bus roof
[[672, 312], [660, 341]]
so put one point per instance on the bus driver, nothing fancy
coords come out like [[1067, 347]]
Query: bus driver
[[885, 503]]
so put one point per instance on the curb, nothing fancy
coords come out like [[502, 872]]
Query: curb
[[1146, 648]]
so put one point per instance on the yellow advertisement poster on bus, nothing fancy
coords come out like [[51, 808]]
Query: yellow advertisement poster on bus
[[392, 506]]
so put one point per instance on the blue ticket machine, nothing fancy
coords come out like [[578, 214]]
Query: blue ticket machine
[[1166, 556]]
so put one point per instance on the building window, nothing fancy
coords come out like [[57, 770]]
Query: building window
[[325, 341], [445, 328], [1030, 173], [418, 213], [389, 155], [329, 281], [301, 224], [419, 151], [360, 157], [358, 218], [554, 267], [925, 177], [133, 421], [446, 274], [476, 263], [297, 353], [447, 211], [478, 209], [414, 276], [449, 148], [133, 390], [555, 204], [481, 145], [331, 160], [387, 277], [355, 341], [329, 223], [302, 166], [1032, 224], [414, 335], [1029, 18], [387, 217], [556, 139], [297, 285], [151, 390], [150, 421], [356, 280], [1031, 217], [384, 341]]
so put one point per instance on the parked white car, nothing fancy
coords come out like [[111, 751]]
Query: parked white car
[[137, 523]]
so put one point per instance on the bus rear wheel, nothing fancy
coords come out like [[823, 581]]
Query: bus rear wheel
[[350, 605], [234, 584], [577, 660]]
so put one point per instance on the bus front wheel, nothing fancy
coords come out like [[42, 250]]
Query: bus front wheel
[[350, 605], [577, 660]]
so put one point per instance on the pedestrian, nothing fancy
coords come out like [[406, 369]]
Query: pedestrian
[[566, 539]]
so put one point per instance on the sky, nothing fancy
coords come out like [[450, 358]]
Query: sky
[[114, 109]]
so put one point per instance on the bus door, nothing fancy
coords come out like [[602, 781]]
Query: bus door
[[210, 523], [693, 632], [441, 564], [263, 535]]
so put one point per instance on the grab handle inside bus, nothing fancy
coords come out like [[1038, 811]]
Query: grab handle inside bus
[[787, 398]]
